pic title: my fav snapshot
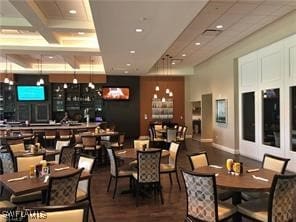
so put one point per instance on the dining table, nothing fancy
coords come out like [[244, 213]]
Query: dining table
[[131, 153], [19, 183]]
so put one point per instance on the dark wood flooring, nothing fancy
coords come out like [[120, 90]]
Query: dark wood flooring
[[123, 207]]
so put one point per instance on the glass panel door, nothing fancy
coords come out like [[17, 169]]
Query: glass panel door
[[248, 116]]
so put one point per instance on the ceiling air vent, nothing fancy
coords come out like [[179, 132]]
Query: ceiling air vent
[[211, 32]]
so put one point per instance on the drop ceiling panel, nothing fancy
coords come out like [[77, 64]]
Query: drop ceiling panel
[[7, 10], [78, 5], [50, 9]]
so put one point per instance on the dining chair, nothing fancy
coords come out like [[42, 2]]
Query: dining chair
[[171, 166], [68, 156], [115, 172], [171, 135], [200, 159], [49, 137], [181, 138], [23, 163], [90, 145], [270, 162], [62, 189], [77, 212], [15, 148], [201, 195], [120, 142], [78, 141], [65, 134], [83, 190], [279, 206], [28, 136], [148, 172], [58, 146], [139, 145]]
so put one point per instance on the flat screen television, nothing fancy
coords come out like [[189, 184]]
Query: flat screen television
[[30, 93], [115, 93]]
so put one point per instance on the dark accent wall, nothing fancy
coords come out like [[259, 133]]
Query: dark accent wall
[[124, 114]]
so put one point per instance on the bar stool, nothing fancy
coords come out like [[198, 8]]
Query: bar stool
[[49, 137]]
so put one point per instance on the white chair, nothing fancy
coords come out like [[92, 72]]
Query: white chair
[[83, 190], [58, 146], [171, 166], [141, 144]]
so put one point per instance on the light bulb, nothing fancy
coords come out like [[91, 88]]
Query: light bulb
[[11, 82], [163, 99], [89, 84], [41, 81], [171, 94], [167, 91], [6, 80], [92, 86], [65, 86], [75, 81], [38, 83], [155, 96], [157, 88]]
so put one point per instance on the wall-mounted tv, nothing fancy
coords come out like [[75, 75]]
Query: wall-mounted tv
[[115, 93], [30, 93]]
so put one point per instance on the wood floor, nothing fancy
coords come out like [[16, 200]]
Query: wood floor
[[123, 207]]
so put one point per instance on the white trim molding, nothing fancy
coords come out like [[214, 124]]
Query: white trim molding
[[225, 148]]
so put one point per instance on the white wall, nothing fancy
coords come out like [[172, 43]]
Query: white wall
[[218, 75]]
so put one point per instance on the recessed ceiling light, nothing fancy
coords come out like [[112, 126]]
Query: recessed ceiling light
[[139, 30], [50, 57], [125, 72], [197, 43], [128, 64], [132, 51], [72, 11], [219, 26], [173, 63], [183, 55], [81, 33]]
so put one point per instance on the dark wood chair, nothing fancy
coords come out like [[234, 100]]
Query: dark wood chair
[[62, 190], [201, 195], [115, 172], [90, 145], [148, 172], [65, 134], [68, 156], [49, 137]]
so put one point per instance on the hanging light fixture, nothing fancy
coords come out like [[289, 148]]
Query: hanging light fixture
[[163, 99], [75, 81], [41, 80], [6, 79], [90, 84], [167, 91], [157, 86], [65, 84], [155, 96]]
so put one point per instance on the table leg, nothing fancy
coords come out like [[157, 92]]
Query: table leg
[[236, 199]]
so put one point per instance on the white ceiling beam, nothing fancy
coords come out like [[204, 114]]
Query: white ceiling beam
[[35, 17], [70, 26], [15, 23], [72, 61], [8, 49], [19, 60]]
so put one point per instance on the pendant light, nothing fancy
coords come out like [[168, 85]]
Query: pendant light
[[167, 91], [6, 79], [163, 99], [41, 80], [155, 96], [157, 86], [90, 84], [65, 84], [75, 81]]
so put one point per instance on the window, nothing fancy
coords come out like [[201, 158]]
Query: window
[[271, 117], [293, 118], [248, 116]]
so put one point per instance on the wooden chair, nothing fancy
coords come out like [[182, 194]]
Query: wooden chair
[[28, 136], [201, 194], [148, 171], [65, 134], [49, 137], [90, 144], [182, 137], [77, 212], [62, 190], [115, 172], [68, 156], [171, 167], [279, 206], [171, 135], [139, 145], [58, 146], [83, 190], [270, 162], [120, 142], [200, 159]]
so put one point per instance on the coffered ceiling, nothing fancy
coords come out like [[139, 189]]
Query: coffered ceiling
[[65, 35]]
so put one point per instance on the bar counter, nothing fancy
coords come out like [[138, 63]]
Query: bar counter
[[37, 127]]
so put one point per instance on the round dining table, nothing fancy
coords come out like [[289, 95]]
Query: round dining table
[[258, 181], [131, 153]]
